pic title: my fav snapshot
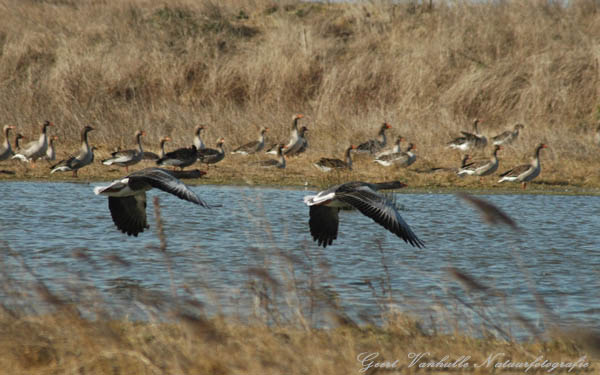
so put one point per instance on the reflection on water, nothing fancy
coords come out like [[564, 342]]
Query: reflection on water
[[53, 226]]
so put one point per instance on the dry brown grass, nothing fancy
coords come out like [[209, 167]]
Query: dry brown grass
[[239, 65]]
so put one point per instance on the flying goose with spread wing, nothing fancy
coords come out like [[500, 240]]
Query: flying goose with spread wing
[[324, 210], [127, 197]]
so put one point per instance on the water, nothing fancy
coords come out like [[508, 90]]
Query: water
[[64, 234]]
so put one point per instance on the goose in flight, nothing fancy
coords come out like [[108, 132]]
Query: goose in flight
[[324, 208], [127, 197]]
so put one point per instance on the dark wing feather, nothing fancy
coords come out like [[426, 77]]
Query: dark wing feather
[[129, 213], [323, 224], [382, 211], [332, 163], [516, 170], [161, 179]]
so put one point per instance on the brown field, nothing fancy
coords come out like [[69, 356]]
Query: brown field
[[239, 65]]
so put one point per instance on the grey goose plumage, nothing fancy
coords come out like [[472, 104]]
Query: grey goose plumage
[[526, 172], [127, 197], [324, 210], [469, 140], [373, 146], [125, 158], [254, 146], [6, 149], [329, 164], [482, 167], [508, 136], [36, 149], [83, 158]]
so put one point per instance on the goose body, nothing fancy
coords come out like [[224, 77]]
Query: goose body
[[508, 136], [83, 158], [125, 158], [324, 210], [182, 157], [152, 156], [401, 159], [36, 149], [275, 163], [295, 142], [212, 156], [329, 164], [394, 150], [6, 149], [469, 140], [18, 138], [526, 172], [300, 145], [254, 146], [483, 167], [51, 152], [373, 146], [198, 139], [127, 197]]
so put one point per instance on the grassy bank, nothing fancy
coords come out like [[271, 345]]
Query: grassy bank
[[239, 65]]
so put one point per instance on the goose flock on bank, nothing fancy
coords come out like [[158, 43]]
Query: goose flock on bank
[[127, 199]]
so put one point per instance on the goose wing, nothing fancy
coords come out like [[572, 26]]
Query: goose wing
[[516, 171], [129, 213], [165, 181], [249, 147], [381, 210], [323, 224]]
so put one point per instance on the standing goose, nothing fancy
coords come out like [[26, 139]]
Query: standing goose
[[254, 146], [197, 139], [275, 163], [483, 167], [526, 172], [212, 156], [508, 136], [126, 158], [148, 155], [127, 197], [325, 206], [328, 164], [182, 157], [301, 144], [402, 159], [36, 149], [18, 137], [469, 140], [394, 150], [373, 146], [295, 142], [51, 152], [6, 150], [83, 158]]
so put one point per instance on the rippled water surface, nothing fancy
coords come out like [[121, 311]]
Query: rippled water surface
[[555, 260]]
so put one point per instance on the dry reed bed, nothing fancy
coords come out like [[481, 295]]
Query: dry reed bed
[[239, 65]]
